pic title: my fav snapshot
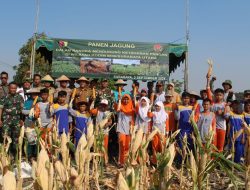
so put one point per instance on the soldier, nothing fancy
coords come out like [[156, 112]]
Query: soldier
[[63, 80], [83, 93], [48, 83], [10, 113], [4, 84], [104, 93]]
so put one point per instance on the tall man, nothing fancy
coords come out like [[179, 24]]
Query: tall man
[[4, 84], [37, 81], [10, 113]]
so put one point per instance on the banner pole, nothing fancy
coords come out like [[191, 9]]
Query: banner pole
[[33, 52], [186, 71]]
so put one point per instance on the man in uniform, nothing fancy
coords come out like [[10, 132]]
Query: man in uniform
[[83, 93], [26, 85], [104, 93], [4, 89], [10, 113], [63, 80]]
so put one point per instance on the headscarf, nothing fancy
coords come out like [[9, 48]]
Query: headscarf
[[128, 109], [161, 116], [143, 111]]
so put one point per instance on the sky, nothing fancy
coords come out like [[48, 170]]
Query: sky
[[219, 29]]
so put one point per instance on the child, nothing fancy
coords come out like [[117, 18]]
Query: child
[[170, 110], [101, 113], [42, 111], [82, 118], [236, 123], [219, 108], [125, 110], [29, 123], [61, 112], [247, 112], [142, 119], [182, 115], [207, 122], [159, 121]]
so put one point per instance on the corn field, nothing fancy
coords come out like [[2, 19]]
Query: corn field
[[61, 165]]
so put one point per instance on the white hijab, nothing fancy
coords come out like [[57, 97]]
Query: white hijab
[[161, 116], [143, 111]]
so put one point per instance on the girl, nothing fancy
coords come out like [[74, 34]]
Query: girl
[[159, 121], [125, 110], [142, 119], [101, 113]]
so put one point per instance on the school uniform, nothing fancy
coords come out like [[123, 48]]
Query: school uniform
[[62, 117], [236, 124], [81, 123], [207, 124], [125, 121], [142, 119], [159, 121]]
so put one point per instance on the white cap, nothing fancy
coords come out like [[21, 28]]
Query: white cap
[[104, 101]]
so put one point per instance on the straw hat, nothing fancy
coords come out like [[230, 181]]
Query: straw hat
[[33, 91], [62, 78], [196, 95], [120, 82], [170, 84], [82, 79], [47, 78]]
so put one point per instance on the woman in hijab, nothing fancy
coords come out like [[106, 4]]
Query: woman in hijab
[[160, 122], [125, 112]]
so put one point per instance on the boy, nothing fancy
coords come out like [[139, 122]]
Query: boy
[[246, 113], [29, 123], [42, 111], [182, 115], [207, 122], [61, 112], [170, 110], [82, 118], [236, 125]]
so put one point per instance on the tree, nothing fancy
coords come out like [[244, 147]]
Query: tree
[[42, 65]]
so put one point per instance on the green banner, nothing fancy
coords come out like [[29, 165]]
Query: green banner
[[112, 59]]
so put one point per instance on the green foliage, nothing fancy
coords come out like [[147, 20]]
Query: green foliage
[[178, 85], [42, 66]]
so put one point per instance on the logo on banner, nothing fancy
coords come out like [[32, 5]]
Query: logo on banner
[[158, 48], [62, 44]]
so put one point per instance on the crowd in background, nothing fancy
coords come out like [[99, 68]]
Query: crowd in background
[[38, 103]]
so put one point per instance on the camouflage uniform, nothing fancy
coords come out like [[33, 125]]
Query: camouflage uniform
[[105, 94], [12, 106], [4, 90]]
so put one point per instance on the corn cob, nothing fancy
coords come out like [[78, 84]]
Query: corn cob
[[61, 171], [121, 183], [9, 181], [42, 172], [64, 148], [210, 69]]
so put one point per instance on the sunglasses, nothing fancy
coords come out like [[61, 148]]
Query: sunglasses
[[3, 77]]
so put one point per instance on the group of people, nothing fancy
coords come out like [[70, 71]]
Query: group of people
[[216, 111]]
